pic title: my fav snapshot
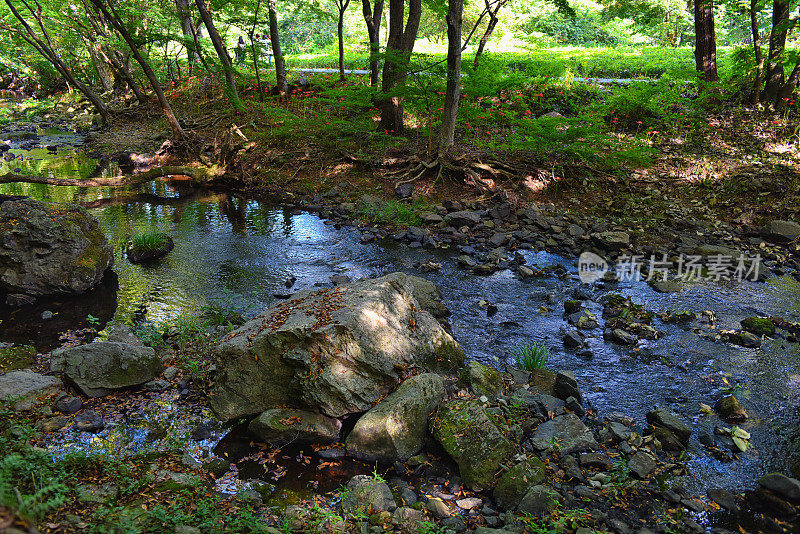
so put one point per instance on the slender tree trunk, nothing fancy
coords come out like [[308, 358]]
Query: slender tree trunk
[[372, 17], [114, 19], [222, 51], [100, 65], [342, 4], [788, 88], [777, 43], [255, 65], [275, 39], [490, 26], [705, 48], [42, 46], [399, 46], [759, 56], [188, 30], [123, 69], [455, 12]]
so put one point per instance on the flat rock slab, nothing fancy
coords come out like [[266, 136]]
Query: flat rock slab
[[280, 427], [26, 386], [567, 433]]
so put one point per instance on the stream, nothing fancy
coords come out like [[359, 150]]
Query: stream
[[239, 252]]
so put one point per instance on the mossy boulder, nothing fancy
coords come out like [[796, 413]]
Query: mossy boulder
[[516, 482], [472, 439], [760, 326], [730, 409], [482, 379], [50, 249]]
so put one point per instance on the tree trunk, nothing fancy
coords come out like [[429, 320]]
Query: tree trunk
[[759, 57], [788, 88], [113, 18], [342, 4], [373, 19], [100, 65], [222, 51], [123, 69], [490, 26], [43, 47], [399, 46], [274, 37], [455, 12], [705, 48], [777, 43], [188, 30]]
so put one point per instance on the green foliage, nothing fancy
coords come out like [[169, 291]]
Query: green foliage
[[531, 356], [31, 485], [299, 36], [148, 240], [402, 214], [583, 30]]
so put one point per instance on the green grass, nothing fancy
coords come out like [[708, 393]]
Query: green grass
[[393, 212], [148, 240], [532, 356]]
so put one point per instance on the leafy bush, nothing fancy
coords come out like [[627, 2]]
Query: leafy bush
[[532, 356], [580, 30]]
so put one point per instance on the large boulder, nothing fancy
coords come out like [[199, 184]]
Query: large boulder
[[50, 249], [781, 231], [280, 427], [473, 441], [98, 368], [395, 429], [25, 387], [567, 433], [336, 350]]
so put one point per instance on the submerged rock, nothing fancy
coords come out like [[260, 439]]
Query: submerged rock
[[281, 426], [395, 429], [98, 368], [50, 249], [336, 350]]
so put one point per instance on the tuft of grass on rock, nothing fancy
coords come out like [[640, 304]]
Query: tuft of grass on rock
[[148, 240], [532, 356]]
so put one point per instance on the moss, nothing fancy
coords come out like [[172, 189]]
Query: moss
[[17, 357], [760, 326]]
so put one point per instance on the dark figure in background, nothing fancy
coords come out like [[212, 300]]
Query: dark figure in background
[[241, 49]]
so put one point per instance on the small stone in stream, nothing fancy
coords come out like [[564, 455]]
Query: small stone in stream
[[730, 409], [455, 523], [170, 372], [68, 405], [573, 339], [525, 272], [339, 279], [201, 432], [469, 503], [407, 496], [567, 386], [157, 385], [572, 306], [725, 499], [467, 261], [53, 424], [404, 190], [365, 493], [571, 468], [788, 488], [667, 419], [366, 238], [641, 465], [693, 505], [89, 421], [760, 326], [538, 501], [289, 282], [331, 453], [47, 315], [622, 337], [706, 438]]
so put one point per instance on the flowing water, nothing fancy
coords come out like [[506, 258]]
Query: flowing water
[[240, 251]]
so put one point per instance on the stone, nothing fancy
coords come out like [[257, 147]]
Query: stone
[[538, 501], [25, 387], [473, 441], [281, 426], [568, 434], [781, 231], [788, 488], [121, 333], [52, 424], [404, 190], [514, 483], [669, 420], [437, 508], [395, 429], [611, 241], [336, 350], [482, 379], [594, 460], [157, 385], [50, 249], [94, 493], [462, 218], [729, 409], [171, 372], [407, 519], [566, 386], [364, 493], [163, 245], [760, 326], [620, 336], [89, 421], [725, 499], [641, 465], [68, 405], [572, 339], [98, 368]]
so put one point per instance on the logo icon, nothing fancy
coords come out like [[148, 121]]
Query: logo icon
[[591, 267]]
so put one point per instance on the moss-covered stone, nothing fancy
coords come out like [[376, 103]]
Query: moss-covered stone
[[516, 481], [470, 437], [760, 326], [482, 379], [16, 357]]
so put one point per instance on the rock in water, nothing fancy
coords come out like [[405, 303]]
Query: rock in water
[[98, 368], [281, 427], [336, 350], [395, 429], [49, 249]]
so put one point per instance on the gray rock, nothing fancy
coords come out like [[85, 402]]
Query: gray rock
[[282, 426], [157, 385], [334, 350], [729, 409], [781, 231], [538, 501], [641, 465], [473, 441], [611, 241], [567, 432], [514, 483], [437, 508], [788, 488], [68, 405], [98, 368], [724, 498], [669, 420], [50, 249], [407, 519], [25, 387], [121, 333], [482, 379], [395, 429], [365, 493], [93, 493], [622, 337], [573, 339], [462, 218], [89, 421], [566, 386]]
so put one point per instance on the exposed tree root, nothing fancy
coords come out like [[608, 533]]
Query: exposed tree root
[[198, 175]]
